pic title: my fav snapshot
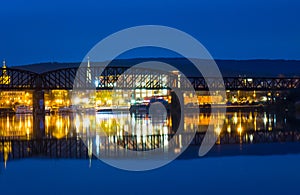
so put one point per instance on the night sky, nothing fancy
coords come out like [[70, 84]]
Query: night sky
[[64, 31]]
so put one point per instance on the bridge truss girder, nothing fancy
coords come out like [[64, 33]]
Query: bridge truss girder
[[101, 78]]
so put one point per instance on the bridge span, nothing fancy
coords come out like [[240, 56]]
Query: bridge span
[[101, 78]]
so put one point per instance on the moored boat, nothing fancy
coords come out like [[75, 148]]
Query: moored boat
[[22, 109]]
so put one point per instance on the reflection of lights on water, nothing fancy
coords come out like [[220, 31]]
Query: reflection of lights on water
[[284, 120], [90, 151], [138, 137], [66, 130], [144, 139], [132, 121], [7, 122], [265, 119], [235, 118], [126, 127], [250, 117], [77, 123], [180, 141], [177, 150], [5, 148], [123, 124], [144, 129], [165, 130], [29, 122], [86, 122], [217, 130], [47, 122], [270, 119], [58, 123], [111, 139], [251, 138], [226, 121], [228, 129], [239, 129]]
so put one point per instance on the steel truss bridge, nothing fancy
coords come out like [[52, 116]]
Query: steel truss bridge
[[101, 78]]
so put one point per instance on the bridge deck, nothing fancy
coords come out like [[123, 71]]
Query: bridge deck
[[119, 78]]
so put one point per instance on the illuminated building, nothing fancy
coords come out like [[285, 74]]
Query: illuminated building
[[4, 78]]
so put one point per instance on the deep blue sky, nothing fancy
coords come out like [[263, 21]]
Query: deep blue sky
[[64, 31]]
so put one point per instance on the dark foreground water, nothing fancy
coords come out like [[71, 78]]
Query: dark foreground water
[[222, 175]]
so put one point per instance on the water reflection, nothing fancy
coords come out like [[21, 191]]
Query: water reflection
[[16, 126], [63, 134], [76, 125]]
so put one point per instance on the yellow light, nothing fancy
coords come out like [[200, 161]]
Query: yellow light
[[265, 119], [235, 119], [177, 150], [239, 129], [77, 123], [228, 129], [218, 130], [27, 131]]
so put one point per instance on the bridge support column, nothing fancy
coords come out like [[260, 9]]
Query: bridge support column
[[38, 102], [38, 114], [177, 114]]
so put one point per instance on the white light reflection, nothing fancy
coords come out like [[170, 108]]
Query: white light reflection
[[97, 144], [251, 138]]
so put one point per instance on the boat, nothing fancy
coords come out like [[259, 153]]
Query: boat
[[139, 109], [23, 109], [105, 110], [64, 109]]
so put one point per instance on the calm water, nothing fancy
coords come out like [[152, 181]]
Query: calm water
[[78, 135], [75, 125], [146, 133], [40, 154]]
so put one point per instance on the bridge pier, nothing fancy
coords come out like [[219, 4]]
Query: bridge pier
[[38, 102], [38, 113], [177, 114]]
